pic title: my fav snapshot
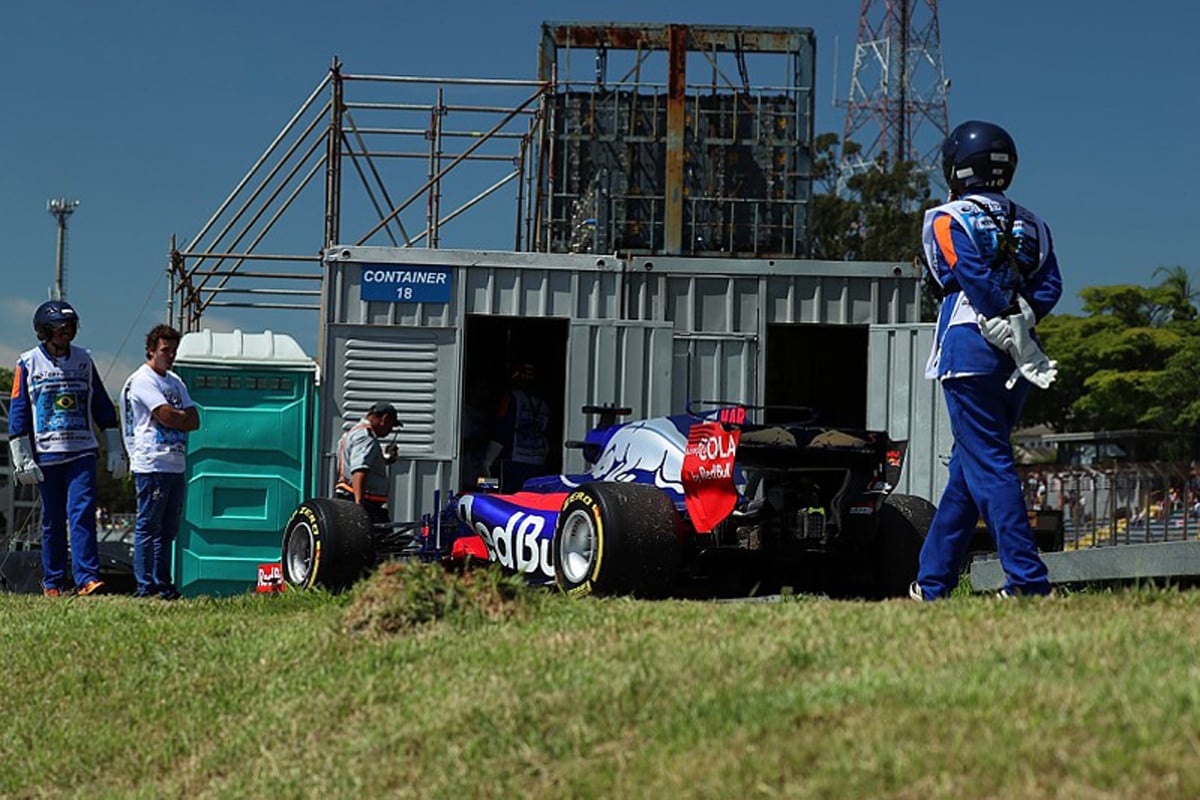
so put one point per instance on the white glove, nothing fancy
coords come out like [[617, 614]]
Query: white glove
[[1027, 311], [25, 470], [1032, 364], [490, 454], [997, 331], [118, 465]]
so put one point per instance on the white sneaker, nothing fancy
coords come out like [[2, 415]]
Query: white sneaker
[[915, 593]]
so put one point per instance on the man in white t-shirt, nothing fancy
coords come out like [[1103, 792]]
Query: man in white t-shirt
[[156, 415], [522, 422]]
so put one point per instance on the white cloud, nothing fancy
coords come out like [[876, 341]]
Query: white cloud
[[16, 328]]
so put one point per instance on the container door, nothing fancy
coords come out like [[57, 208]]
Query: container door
[[903, 402], [623, 363], [414, 369], [715, 367]]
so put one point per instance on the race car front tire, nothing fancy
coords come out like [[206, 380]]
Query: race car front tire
[[617, 539], [327, 543], [904, 521]]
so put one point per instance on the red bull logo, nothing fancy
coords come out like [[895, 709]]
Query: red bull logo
[[515, 541], [270, 577]]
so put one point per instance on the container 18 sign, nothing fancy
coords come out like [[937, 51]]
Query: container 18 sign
[[405, 283]]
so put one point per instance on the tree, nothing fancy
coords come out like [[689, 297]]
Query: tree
[[1170, 302], [1175, 295], [1129, 363], [833, 221], [1175, 387], [893, 202], [877, 218]]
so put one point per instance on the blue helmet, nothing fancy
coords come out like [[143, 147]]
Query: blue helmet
[[50, 315], [978, 155]]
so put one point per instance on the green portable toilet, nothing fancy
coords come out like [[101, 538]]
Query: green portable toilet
[[252, 461]]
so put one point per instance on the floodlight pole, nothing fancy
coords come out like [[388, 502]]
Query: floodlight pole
[[61, 208]]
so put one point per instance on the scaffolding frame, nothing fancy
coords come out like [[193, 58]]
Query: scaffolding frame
[[324, 138]]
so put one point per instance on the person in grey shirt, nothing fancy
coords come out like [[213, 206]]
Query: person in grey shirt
[[363, 461]]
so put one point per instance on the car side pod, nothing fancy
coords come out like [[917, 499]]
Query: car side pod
[[617, 539]]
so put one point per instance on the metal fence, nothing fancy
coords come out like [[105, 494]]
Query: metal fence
[[28, 533], [1114, 504]]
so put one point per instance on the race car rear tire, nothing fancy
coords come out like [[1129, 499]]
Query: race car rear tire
[[903, 523], [617, 539], [327, 543]]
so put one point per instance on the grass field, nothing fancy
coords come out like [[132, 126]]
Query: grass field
[[421, 684]]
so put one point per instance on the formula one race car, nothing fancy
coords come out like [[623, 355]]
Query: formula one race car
[[704, 503]]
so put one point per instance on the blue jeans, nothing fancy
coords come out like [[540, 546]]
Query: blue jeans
[[160, 506], [69, 495], [983, 483]]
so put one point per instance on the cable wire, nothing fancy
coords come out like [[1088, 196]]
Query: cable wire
[[128, 333]]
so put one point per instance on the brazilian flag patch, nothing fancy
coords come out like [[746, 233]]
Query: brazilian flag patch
[[64, 402]]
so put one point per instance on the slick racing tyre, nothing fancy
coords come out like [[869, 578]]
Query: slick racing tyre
[[615, 539], [327, 543], [904, 521]]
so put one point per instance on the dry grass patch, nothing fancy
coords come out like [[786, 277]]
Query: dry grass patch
[[401, 596]]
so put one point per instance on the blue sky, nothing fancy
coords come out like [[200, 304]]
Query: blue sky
[[149, 113]]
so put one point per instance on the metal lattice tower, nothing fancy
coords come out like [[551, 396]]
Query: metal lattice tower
[[61, 208], [897, 102]]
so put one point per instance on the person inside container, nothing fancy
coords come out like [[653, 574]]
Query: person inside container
[[520, 439], [478, 421]]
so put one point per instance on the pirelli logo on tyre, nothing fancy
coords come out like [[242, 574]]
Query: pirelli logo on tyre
[[307, 513], [310, 519], [581, 526], [582, 497], [582, 590]]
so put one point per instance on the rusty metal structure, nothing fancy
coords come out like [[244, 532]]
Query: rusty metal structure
[[661, 144], [692, 158]]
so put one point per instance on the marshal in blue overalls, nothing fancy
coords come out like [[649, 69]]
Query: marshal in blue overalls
[[994, 263]]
